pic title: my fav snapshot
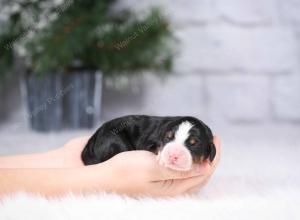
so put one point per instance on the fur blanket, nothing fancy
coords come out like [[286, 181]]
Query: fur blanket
[[241, 200], [258, 178]]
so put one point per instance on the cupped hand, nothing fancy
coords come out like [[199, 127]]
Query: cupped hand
[[138, 173], [132, 173], [71, 152]]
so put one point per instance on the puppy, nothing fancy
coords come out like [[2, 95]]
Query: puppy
[[178, 141]]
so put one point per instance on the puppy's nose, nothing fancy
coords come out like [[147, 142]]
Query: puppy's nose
[[175, 154], [173, 157]]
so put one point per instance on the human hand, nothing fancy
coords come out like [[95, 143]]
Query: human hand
[[133, 173], [68, 156], [138, 173], [71, 152]]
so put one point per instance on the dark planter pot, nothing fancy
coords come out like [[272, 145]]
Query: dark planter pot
[[63, 101]]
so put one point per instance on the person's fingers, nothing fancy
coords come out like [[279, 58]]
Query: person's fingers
[[217, 158], [217, 144], [194, 189], [202, 182], [184, 185], [173, 187], [164, 173], [198, 186]]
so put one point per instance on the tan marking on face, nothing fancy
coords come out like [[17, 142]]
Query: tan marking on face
[[198, 160], [170, 134], [192, 141]]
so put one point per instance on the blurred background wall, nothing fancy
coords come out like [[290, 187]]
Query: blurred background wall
[[238, 62]]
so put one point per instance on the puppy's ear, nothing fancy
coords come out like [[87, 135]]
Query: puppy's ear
[[212, 153], [153, 146]]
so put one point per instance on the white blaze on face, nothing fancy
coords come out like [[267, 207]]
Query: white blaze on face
[[175, 155], [183, 132]]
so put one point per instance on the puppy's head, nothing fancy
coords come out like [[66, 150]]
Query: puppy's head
[[185, 141]]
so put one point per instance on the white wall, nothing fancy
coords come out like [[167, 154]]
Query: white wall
[[239, 63]]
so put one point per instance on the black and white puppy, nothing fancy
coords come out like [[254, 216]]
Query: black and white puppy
[[178, 141]]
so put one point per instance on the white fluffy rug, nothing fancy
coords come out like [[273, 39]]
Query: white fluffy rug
[[227, 197], [258, 178], [283, 203]]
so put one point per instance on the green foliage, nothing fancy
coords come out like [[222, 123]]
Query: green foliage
[[88, 32]]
